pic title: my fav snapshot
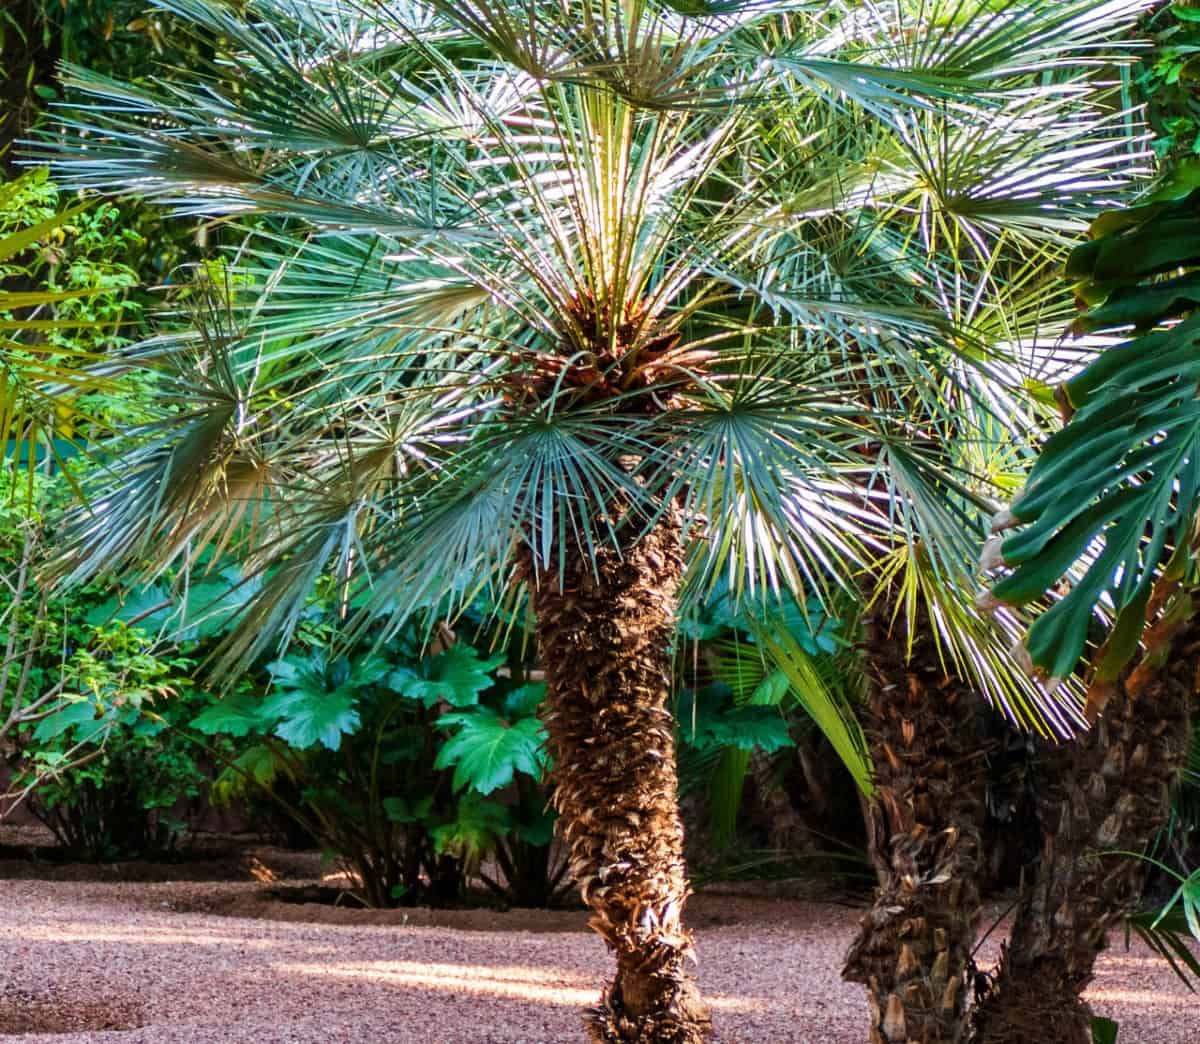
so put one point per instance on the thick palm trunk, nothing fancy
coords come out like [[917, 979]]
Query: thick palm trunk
[[924, 822], [604, 633], [1108, 792]]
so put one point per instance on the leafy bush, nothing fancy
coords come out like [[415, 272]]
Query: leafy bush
[[110, 773], [491, 749], [397, 760], [86, 703], [75, 690]]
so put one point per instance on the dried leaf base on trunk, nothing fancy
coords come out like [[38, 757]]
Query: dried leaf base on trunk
[[1109, 791], [924, 820], [604, 634]]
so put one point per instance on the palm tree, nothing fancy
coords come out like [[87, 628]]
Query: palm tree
[[1107, 520], [587, 307], [925, 824], [1105, 796]]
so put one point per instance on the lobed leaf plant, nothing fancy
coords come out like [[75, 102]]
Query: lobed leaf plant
[[414, 771]]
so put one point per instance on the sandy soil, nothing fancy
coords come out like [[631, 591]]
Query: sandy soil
[[203, 962]]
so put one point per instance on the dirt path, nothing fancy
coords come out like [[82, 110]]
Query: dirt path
[[103, 956]]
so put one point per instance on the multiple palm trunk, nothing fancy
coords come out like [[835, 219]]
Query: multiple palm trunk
[[604, 632], [605, 628], [1108, 792]]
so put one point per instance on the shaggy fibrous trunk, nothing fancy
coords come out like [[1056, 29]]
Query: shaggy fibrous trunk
[[1105, 793], [604, 634], [914, 947]]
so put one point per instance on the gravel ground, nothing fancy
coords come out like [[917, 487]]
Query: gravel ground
[[136, 963]]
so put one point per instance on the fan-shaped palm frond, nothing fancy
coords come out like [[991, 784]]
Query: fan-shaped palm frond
[[570, 265]]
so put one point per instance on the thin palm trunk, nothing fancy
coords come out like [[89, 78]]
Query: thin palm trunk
[[914, 947], [1106, 793], [604, 633], [787, 830]]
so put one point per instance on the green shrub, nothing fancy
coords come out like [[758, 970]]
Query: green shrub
[[413, 768], [110, 773]]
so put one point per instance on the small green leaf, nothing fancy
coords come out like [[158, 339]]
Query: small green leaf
[[771, 691], [719, 725], [69, 715], [1104, 1031], [525, 701], [403, 810], [238, 715], [258, 766], [477, 826], [748, 727], [456, 676]]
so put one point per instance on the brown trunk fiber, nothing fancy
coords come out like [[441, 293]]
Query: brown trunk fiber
[[604, 634], [913, 951], [1107, 792], [786, 829]]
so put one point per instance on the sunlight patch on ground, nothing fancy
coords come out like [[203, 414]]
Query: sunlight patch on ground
[[1109, 961], [550, 986], [68, 934], [1138, 998]]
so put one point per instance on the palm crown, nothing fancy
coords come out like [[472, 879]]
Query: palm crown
[[524, 279]]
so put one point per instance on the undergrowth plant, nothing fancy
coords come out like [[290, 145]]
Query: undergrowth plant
[[761, 683], [418, 768], [108, 773], [85, 701]]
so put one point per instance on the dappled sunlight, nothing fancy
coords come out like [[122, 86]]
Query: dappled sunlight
[[1152, 998], [548, 986], [476, 972], [1109, 962], [339, 878], [82, 934]]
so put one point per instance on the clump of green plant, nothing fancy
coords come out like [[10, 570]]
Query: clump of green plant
[[757, 687], [418, 769], [68, 294], [496, 745], [83, 256], [1167, 79], [86, 702], [107, 769]]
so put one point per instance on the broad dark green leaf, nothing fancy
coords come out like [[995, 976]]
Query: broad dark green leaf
[[456, 676], [486, 752]]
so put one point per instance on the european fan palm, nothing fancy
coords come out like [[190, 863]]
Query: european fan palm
[[1108, 517], [590, 306]]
